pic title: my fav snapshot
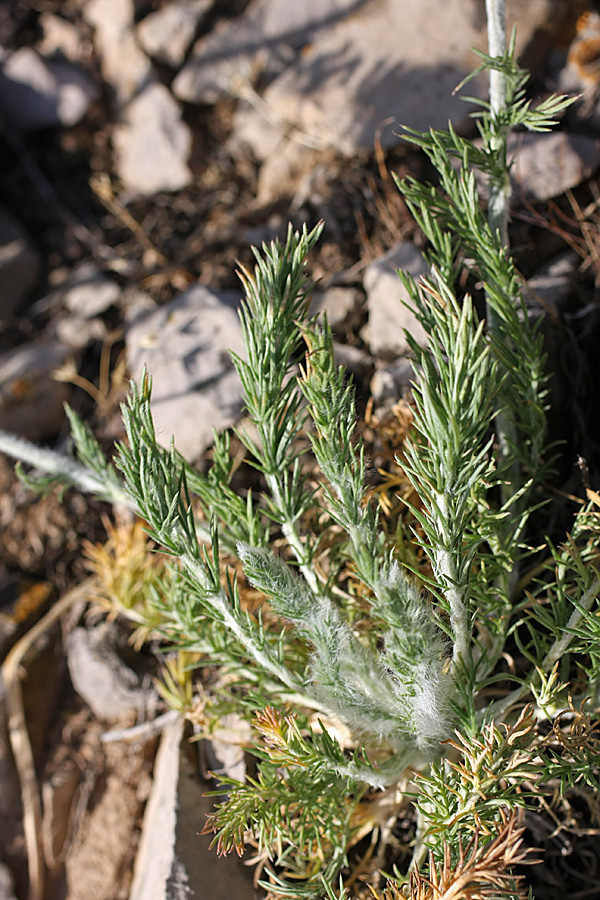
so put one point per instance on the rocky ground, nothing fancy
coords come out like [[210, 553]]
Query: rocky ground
[[144, 147]]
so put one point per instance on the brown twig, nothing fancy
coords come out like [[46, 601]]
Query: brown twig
[[19, 738]]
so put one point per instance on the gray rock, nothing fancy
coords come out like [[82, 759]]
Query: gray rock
[[31, 400], [382, 66], [125, 67], [59, 37], [7, 885], [357, 362], [37, 93], [89, 292], [99, 675], [265, 38], [20, 265], [389, 318], [185, 346], [224, 752], [342, 305], [220, 62], [152, 144], [549, 288], [173, 860], [546, 165], [167, 33], [78, 332], [390, 383]]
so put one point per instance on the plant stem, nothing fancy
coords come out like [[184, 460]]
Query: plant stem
[[556, 652], [499, 194], [56, 464]]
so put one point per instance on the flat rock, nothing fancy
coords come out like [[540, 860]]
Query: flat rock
[[547, 291], [78, 332], [389, 318], [40, 93], [385, 64], [342, 305], [152, 143], [390, 383], [7, 885], [125, 67], [99, 675], [546, 165], [20, 265], [173, 860], [167, 33], [264, 39], [59, 37], [185, 346], [31, 400], [88, 292]]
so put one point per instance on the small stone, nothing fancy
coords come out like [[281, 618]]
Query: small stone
[[166, 34], [100, 677], [20, 265], [77, 332], [220, 62], [7, 885], [342, 306], [125, 67], [31, 400], [357, 362], [152, 144], [546, 165], [36, 93], [389, 318], [89, 292], [549, 288], [59, 36], [185, 346], [288, 166], [391, 382]]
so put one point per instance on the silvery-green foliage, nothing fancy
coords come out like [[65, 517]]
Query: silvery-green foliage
[[414, 662]]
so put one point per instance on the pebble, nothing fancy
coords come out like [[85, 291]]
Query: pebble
[[546, 165], [125, 66], [152, 144], [59, 36], [390, 383], [185, 346], [89, 292], [167, 33], [31, 400], [99, 675], [389, 318], [343, 306], [20, 265], [38, 93]]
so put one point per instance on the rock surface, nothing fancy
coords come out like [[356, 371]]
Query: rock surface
[[152, 144], [386, 296], [99, 675], [36, 93], [167, 33], [546, 165], [185, 346], [383, 65], [125, 67], [20, 265], [31, 400], [89, 292]]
